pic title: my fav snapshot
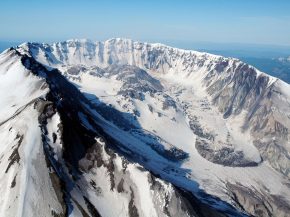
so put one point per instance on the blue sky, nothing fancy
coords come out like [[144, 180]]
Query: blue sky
[[218, 21]]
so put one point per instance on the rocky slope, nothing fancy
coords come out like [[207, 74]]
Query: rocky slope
[[233, 86], [123, 128]]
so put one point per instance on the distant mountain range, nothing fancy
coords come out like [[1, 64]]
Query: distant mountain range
[[284, 60]]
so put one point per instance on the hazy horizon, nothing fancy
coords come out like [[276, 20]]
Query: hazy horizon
[[246, 22], [226, 49]]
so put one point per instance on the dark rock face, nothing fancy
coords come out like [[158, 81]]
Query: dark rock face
[[75, 70], [136, 81], [196, 127], [226, 156], [245, 90], [93, 211], [15, 157], [133, 211], [259, 203], [161, 146], [168, 103], [239, 90]]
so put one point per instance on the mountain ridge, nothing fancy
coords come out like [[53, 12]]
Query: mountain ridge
[[84, 41], [202, 100]]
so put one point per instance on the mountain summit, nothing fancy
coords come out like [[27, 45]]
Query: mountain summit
[[124, 128]]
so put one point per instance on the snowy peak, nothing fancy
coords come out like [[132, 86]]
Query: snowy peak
[[236, 89], [153, 57], [124, 128], [60, 151], [55, 151]]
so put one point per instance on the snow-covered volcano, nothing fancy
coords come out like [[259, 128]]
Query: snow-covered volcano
[[123, 128]]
